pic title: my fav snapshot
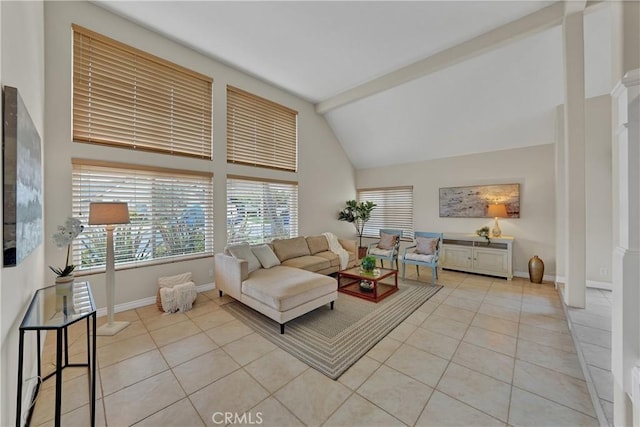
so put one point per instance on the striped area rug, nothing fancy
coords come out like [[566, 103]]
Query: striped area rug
[[333, 340]]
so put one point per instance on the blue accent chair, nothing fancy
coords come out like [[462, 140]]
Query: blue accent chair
[[409, 256], [386, 254]]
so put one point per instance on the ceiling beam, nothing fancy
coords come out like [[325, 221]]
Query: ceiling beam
[[574, 6], [521, 28]]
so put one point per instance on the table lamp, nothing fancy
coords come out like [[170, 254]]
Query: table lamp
[[497, 210], [109, 214]]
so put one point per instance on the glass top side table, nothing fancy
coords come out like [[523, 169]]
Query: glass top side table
[[56, 308]]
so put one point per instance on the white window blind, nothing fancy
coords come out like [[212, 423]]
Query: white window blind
[[260, 132], [394, 210], [259, 211], [125, 97], [171, 213]]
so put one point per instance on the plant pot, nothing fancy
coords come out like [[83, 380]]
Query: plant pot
[[362, 252], [64, 279], [536, 269], [64, 293]]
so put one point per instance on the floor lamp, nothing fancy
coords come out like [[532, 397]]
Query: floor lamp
[[109, 214]]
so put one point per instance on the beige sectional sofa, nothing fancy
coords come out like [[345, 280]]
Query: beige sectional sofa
[[289, 279], [312, 253]]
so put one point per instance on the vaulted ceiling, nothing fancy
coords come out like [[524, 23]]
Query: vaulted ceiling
[[415, 80]]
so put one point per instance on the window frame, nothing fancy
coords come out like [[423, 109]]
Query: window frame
[[127, 98], [395, 216], [260, 132], [140, 178], [293, 218]]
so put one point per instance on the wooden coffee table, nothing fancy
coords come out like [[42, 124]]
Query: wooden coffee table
[[350, 280]]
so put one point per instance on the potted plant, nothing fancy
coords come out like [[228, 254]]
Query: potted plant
[[64, 237], [357, 213], [368, 264], [484, 232]]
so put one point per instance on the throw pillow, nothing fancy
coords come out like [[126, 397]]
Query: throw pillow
[[426, 245], [388, 241], [243, 251], [266, 256]]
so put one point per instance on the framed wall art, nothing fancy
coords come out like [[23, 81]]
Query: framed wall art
[[473, 201], [22, 185]]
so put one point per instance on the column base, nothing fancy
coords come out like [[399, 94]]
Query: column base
[[112, 328]]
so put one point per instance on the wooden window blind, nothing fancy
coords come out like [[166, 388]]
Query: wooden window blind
[[260, 132], [259, 211], [171, 213], [394, 210], [125, 97]]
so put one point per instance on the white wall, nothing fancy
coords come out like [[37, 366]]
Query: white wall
[[531, 167], [22, 66], [326, 177], [598, 190], [598, 187]]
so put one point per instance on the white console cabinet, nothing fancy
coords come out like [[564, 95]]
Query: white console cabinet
[[473, 254]]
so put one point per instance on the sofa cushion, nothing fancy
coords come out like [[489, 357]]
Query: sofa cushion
[[265, 255], [381, 252], [317, 244], [334, 259], [419, 257], [290, 248], [243, 251], [284, 288], [309, 263]]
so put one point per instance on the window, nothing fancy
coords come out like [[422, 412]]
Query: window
[[125, 97], [260, 132], [259, 211], [171, 213], [394, 210]]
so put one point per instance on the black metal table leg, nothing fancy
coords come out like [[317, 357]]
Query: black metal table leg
[[93, 372], [58, 377], [19, 396]]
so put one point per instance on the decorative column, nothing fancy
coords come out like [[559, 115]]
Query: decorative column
[[625, 327], [574, 161], [626, 256]]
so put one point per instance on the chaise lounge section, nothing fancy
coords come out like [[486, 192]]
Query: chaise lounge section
[[284, 282]]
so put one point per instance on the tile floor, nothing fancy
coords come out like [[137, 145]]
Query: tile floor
[[591, 328], [482, 351]]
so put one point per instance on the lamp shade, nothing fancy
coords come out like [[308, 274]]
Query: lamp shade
[[107, 213], [497, 210]]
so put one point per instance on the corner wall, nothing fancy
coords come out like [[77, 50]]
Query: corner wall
[[22, 66], [531, 167]]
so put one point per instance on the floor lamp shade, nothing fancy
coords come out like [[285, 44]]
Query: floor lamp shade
[[109, 214], [105, 213], [497, 210]]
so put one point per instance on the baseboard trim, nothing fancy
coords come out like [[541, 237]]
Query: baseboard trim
[[607, 286], [146, 301], [525, 275]]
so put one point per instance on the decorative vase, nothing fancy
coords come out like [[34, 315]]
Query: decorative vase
[[64, 293], [536, 269], [362, 252]]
